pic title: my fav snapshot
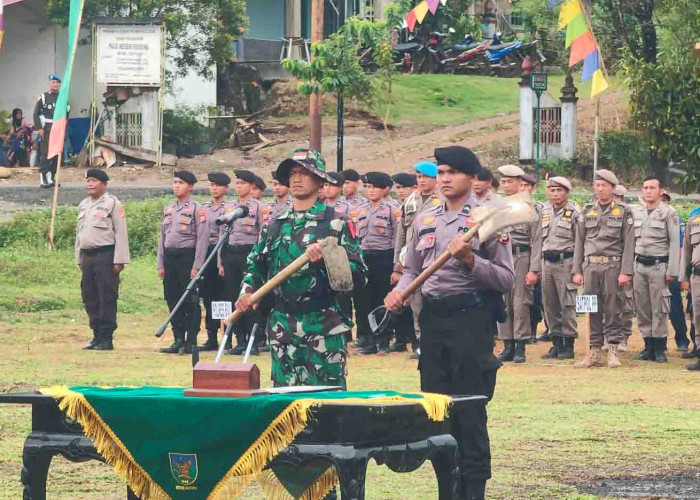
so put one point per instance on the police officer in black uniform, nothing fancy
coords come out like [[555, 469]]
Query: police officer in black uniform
[[43, 119]]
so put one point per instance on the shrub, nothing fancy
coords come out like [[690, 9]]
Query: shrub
[[626, 152]]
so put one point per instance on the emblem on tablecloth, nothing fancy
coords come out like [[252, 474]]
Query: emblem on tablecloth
[[183, 467]]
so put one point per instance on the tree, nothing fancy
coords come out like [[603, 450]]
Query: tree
[[199, 32]]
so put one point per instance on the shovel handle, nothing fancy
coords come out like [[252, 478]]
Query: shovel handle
[[437, 264], [276, 281]]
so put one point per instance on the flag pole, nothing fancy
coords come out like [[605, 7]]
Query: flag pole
[[595, 135], [54, 203]]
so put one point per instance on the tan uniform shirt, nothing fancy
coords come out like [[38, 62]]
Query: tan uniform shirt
[[605, 231], [208, 213], [376, 226], [341, 207], [530, 234], [272, 209], [246, 230], [181, 228], [102, 223], [414, 205], [559, 227], [657, 234], [691, 250]]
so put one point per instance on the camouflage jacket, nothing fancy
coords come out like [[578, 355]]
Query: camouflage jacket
[[295, 232]]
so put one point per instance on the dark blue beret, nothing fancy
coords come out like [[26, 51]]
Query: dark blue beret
[[245, 175], [459, 158], [377, 179], [186, 176], [98, 174], [404, 179], [259, 183], [351, 175], [219, 178]]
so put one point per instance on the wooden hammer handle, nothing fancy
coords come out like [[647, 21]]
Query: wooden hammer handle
[[275, 281]]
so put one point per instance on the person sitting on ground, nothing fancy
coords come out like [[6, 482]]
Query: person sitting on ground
[[17, 140]]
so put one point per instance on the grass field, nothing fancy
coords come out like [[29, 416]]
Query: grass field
[[553, 427]]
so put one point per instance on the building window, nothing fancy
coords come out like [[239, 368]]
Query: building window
[[516, 20], [129, 130]]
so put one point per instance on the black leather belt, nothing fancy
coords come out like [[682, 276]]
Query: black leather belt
[[518, 249], [696, 271], [452, 303], [557, 256], [304, 306], [651, 261], [238, 248], [95, 251]]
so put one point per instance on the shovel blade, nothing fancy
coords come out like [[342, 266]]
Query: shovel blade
[[379, 319], [337, 265]]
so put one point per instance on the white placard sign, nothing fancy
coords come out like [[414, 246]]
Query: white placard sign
[[128, 55], [220, 310], [586, 303]]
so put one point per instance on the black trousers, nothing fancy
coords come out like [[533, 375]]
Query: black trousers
[[211, 289], [177, 263], [536, 309], [379, 265], [99, 287], [234, 260], [457, 359], [677, 314], [46, 165]]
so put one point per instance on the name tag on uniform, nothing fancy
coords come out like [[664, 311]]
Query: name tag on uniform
[[220, 309], [585, 303]]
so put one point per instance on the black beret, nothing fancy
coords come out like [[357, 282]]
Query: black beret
[[219, 178], [186, 176], [351, 175], [273, 174], [404, 179], [245, 175], [98, 174], [377, 179], [260, 183], [459, 158], [338, 178]]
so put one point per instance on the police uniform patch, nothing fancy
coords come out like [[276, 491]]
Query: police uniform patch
[[352, 229], [616, 211], [397, 214], [591, 213], [122, 212], [546, 217], [436, 202], [430, 219], [426, 242], [202, 215], [503, 238]]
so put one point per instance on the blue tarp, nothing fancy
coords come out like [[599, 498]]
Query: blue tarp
[[78, 129]]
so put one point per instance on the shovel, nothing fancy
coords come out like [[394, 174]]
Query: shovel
[[337, 265], [489, 221]]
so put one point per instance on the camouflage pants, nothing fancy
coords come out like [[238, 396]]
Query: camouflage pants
[[304, 351]]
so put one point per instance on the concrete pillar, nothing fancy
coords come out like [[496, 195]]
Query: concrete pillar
[[568, 118], [292, 24], [527, 97]]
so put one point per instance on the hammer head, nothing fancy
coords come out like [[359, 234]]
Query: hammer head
[[337, 265]]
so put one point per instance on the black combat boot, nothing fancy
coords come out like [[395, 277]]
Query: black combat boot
[[190, 343], [566, 348], [472, 490], [648, 353], [368, 347], [398, 346], [106, 335], [508, 351], [691, 354], [212, 344], [95, 340], [659, 350], [545, 337], [555, 350], [693, 367], [175, 346], [519, 353], [383, 347]]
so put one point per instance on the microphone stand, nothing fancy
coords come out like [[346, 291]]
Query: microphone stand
[[224, 237]]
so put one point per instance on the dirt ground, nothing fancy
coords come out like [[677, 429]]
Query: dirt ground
[[366, 148]]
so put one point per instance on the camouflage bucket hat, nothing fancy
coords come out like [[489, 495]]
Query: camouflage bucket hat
[[310, 159]]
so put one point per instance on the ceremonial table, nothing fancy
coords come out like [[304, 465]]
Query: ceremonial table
[[343, 434]]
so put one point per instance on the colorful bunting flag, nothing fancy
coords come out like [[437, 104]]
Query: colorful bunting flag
[[569, 10], [576, 27], [60, 115], [411, 20], [600, 83], [433, 5], [591, 64], [421, 11], [2, 25], [443, 2], [582, 47], [552, 3]]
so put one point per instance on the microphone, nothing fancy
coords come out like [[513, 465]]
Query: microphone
[[241, 211]]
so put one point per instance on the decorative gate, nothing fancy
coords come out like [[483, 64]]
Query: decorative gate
[[129, 129]]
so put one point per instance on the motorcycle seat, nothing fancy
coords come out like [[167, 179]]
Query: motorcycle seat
[[405, 47], [494, 48], [458, 47]]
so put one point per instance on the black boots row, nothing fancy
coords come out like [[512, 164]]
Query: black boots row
[[513, 350], [654, 350], [181, 345], [101, 340]]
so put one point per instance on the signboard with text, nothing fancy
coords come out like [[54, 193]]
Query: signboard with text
[[129, 55], [586, 303]]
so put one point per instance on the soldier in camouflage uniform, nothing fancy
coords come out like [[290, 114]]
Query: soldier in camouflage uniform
[[306, 328]]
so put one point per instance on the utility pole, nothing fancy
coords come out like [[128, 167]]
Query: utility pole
[[316, 99]]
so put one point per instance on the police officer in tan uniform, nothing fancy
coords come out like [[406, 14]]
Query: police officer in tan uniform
[[559, 219], [182, 249], [628, 308], [212, 285], [457, 340], [526, 241], [690, 271], [233, 254], [657, 235], [101, 250], [281, 202], [423, 198], [603, 264], [351, 191]]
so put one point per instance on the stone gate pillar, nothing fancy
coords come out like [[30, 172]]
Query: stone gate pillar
[[526, 120], [568, 118]]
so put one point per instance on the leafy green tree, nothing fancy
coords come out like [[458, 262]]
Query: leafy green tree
[[199, 33]]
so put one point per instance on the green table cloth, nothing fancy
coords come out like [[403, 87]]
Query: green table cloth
[[166, 445]]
